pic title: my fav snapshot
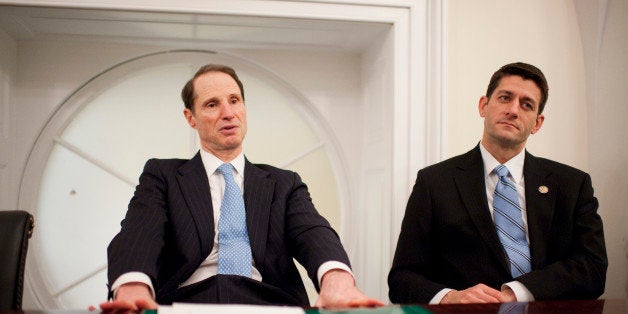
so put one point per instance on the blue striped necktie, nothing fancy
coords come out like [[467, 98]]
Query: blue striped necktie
[[509, 223], [234, 249]]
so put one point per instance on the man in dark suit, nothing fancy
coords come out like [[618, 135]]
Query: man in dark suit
[[453, 247], [170, 244]]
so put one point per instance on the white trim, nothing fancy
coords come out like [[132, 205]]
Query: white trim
[[331, 10], [94, 161], [78, 281], [301, 155]]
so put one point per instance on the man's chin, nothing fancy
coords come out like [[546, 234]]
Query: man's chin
[[510, 142], [231, 145]]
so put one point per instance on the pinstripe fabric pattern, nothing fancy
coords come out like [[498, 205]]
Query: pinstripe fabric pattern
[[169, 228]]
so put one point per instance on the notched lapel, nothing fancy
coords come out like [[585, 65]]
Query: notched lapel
[[192, 179], [472, 189], [258, 197], [541, 192]]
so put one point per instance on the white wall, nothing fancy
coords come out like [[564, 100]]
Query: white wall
[[486, 34], [607, 150], [8, 58]]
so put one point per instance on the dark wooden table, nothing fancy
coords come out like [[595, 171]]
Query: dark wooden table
[[611, 306]]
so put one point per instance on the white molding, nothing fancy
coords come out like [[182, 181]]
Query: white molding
[[377, 11]]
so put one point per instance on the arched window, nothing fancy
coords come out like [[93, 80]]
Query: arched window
[[93, 149]]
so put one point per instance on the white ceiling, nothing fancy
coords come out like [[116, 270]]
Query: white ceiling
[[189, 30]]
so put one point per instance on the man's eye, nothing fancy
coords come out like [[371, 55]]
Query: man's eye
[[211, 104], [504, 98]]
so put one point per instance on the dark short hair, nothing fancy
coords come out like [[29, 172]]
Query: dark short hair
[[527, 72], [187, 93]]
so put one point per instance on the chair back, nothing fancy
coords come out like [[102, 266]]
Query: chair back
[[16, 227]]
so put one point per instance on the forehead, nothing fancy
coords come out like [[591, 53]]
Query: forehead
[[213, 84], [518, 85]]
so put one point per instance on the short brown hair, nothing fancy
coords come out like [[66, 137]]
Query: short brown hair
[[187, 93], [527, 72]]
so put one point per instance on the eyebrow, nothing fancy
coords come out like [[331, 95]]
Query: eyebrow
[[509, 93]]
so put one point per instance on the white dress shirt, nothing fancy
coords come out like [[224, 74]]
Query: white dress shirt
[[209, 267], [515, 167]]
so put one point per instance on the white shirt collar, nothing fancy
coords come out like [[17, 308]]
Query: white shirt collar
[[212, 162], [514, 165]]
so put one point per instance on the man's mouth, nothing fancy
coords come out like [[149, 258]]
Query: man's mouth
[[228, 127], [510, 124]]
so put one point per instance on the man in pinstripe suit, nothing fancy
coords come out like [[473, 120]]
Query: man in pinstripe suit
[[167, 248]]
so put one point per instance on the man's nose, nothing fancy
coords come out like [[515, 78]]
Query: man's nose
[[226, 111], [513, 107]]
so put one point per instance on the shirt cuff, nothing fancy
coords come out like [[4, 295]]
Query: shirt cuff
[[439, 296], [129, 277], [327, 266], [521, 292]]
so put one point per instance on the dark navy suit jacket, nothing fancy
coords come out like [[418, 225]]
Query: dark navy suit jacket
[[169, 227], [448, 238]]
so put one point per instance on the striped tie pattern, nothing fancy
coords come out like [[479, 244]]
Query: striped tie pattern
[[234, 249], [509, 223]]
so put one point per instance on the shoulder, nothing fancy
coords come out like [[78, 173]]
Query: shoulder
[[468, 160], [164, 165], [263, 174], [269, 171], [561, 170], [172, 162]]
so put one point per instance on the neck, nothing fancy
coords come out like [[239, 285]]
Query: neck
[[224, 155], [502, 153]]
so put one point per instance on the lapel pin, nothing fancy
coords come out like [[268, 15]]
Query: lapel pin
[[543, 189]]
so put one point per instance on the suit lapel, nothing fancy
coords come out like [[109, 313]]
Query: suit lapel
[[473, 196], [541, 191], [192, 179], [258, 196]]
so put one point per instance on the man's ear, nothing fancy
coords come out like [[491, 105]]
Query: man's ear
[[539, 122], [482, 106], [189, 117]]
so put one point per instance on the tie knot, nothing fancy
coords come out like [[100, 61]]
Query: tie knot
[[501, 171], [226, 170]]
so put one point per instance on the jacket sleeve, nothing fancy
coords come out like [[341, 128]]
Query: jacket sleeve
[[414, 253], [141, 238], [311, 239]]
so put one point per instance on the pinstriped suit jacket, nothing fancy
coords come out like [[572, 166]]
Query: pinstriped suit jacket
[[448, 238], [169, 226]]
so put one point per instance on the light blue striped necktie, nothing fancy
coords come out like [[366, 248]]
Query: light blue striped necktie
[[509, 223], [234, 249]]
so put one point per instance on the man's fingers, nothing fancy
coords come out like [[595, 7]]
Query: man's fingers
[[318, 302], [146, 304], [365, 303], [118, 305], [479, 293]]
